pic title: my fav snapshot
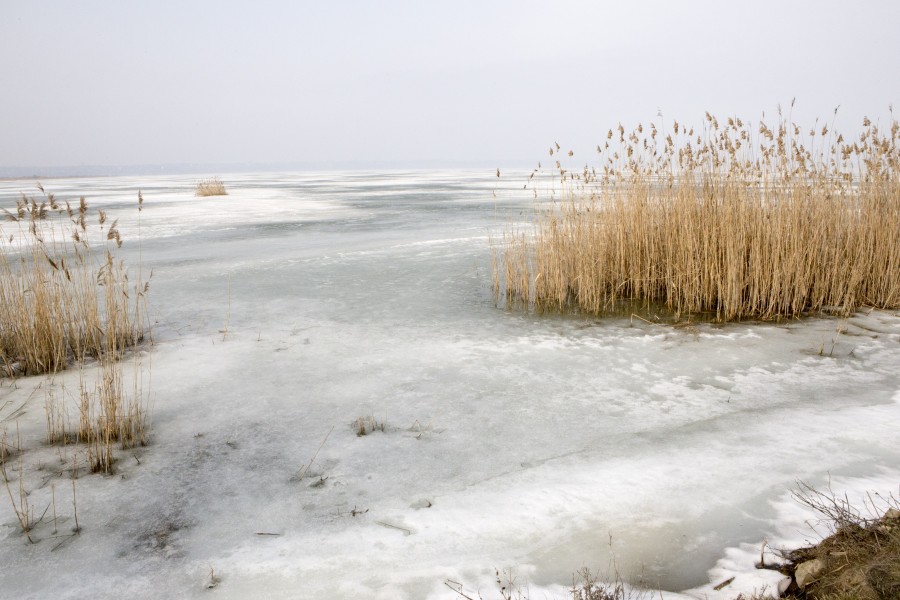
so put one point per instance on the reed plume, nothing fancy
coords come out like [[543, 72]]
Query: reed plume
[[63, 299], [729, 220]]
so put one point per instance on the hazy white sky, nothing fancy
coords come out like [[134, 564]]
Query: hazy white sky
[[119, 83]]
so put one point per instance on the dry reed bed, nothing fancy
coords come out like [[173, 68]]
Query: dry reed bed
[[65, 300], [730, 220], [62, 299], [211, 187]]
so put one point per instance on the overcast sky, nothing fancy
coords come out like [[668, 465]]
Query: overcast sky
[[123, 83]]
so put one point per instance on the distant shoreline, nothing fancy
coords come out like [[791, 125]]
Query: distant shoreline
[[9, 173]]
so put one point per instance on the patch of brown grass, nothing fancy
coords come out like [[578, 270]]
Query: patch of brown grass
[[211, 187], [733, 220]]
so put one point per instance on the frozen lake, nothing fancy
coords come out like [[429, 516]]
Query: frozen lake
[[513, 441]]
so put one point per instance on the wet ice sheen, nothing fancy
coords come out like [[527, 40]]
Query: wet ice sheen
[[538, 443]]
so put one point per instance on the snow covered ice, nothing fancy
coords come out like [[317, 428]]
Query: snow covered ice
[[299, 303]]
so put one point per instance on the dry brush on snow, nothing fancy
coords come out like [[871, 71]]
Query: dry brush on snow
[[67, 299]]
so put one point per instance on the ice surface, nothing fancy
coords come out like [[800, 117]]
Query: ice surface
[[534, 443]]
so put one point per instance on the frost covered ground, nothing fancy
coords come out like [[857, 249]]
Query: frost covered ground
[[539, 444]]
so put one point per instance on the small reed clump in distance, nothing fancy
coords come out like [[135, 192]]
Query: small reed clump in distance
[[733, 220], [211, 187], [61, 299]]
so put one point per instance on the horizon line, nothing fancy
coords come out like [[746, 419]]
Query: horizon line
[[190, 168]]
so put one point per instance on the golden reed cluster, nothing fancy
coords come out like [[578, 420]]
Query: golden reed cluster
[[60, 299], [211, 187], [729, 221], [64, 301]]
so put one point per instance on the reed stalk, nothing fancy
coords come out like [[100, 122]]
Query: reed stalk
[[62, 298], [733, 221]]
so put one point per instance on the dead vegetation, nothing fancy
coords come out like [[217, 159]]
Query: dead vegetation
[[24, 510], [305, 469], [63, 298], [860, 560], [210, 187], [732, 220], [367, 425], [108, 413], [29, 515], [586, 585], [66, 298]]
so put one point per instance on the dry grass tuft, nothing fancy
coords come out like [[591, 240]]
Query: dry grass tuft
[[733, 220], [107, 415], [63, 299], [6, 451], [366, 425], [25, 512], [211, 187]]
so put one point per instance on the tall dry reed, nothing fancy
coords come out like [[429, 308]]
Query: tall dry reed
[[107, 414], [732, 220], [63, 298]]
